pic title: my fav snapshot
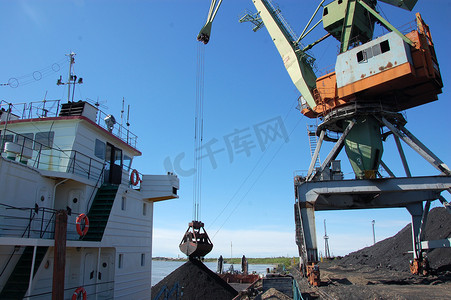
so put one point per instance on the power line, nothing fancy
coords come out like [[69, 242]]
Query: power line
[[36, 75]]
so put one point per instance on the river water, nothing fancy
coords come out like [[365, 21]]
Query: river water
[[161, 269]]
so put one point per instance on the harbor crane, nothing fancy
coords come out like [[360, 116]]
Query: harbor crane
[[359, 107]]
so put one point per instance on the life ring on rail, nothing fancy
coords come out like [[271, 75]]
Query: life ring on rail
[[134, 177], [77, 292], [82, 218]]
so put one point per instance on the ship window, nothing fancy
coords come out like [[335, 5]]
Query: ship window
[[100, 149], [143, 259], [325, 12], [120, 263], [123, 203], [118, 157], [376, 49], [44, 140], [25, 139], [144, 209], [360, 56], [127, 163], [385, 46], [369, 52]]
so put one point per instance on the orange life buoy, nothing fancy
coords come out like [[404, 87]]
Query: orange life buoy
[[77, 292], [134, 177], [82, 218]]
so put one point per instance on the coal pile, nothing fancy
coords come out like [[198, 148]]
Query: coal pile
[[392, 253], [195, 281], [272, 294]]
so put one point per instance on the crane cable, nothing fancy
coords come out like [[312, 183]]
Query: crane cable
[[250, 185], [198, 131]]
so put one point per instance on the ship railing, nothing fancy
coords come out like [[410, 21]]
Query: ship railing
[[23, 222], [34, 222], [13, 220], [31, 110], [118, 130], [43, 157], [51, 108], [102, 290], [38, 223]]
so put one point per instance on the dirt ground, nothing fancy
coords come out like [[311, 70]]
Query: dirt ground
[[364, 282], [382, 270]]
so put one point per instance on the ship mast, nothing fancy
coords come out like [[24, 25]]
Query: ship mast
[[71, 79]]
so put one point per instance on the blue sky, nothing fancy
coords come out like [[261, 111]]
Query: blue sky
[[146, 51]]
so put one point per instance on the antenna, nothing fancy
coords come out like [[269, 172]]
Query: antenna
[[326, 242], [128, 117], [44, 111], [122, 117], [72, 79], [122, 111]]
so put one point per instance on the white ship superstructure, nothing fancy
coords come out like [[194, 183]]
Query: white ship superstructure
[[72, 159]]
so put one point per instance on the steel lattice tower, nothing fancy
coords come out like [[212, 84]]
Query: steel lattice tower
[[326, 242]]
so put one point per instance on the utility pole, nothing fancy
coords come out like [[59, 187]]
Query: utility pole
[[374, 233], [231, 250], [326, 242]]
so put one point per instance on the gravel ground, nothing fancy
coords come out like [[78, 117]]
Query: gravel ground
[[382, 270], [392, 253]]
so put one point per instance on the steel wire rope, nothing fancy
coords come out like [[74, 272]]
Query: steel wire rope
[[36, 75], [198, 132], [251, 173], [382, 13], [256, 179]]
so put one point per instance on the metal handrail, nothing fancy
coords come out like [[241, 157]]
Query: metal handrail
[[77, 160], [50, 108], [95, 187], [33, 212], [37, 109], [119, 130], [75, 287]]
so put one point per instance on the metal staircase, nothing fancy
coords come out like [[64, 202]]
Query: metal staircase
[[17, 284], [100, 212], [313, 141], [300, 239]]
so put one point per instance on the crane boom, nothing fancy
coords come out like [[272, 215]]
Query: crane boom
[[205, 32], [295, 60]]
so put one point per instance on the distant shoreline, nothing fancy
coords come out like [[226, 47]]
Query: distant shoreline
[[237, 260]]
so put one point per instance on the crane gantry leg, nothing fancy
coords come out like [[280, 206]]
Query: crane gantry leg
[[319, 191]]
